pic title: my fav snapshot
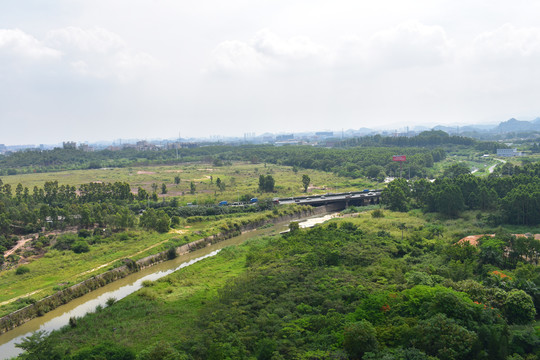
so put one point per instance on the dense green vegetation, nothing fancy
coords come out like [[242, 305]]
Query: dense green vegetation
[[350, 289], [391, 283], [510, 198], [352, 162]]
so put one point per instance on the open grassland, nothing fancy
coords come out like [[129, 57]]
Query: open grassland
[[57, 269], [239, 179]]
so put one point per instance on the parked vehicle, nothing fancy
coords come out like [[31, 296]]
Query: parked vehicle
[[253, 200], [223, 203]]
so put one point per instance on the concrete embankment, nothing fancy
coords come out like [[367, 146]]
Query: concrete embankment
[[62, 297]]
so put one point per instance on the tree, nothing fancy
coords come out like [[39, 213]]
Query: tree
[[155, 220], [519, 307], [443, 337], [359, 338], [39, 346], [192, 188], [266, 183], [455, 170], [154, 187], [373, 171], [220, 184], [177, 179], [163, 189], [305, 182], [396, 195], [142, 194]]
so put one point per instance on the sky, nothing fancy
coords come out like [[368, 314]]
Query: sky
[[74, 70]]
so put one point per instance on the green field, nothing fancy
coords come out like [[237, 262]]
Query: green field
[[239, 178]]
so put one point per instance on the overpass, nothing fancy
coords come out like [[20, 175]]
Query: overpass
[[340, 200]]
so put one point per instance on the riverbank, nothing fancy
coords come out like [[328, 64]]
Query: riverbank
[[62, 297]]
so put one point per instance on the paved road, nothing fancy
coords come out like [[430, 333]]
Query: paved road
[[492, 168], [330, 198]]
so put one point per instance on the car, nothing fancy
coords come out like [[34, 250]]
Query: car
[[223, 203], [253, 200]]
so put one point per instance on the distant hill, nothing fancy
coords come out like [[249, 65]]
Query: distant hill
[[513, 125]]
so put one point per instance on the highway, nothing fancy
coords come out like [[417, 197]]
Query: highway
[[350, 198]]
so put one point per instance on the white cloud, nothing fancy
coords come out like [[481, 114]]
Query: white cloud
[[99, 53], [508, 44], [267, 51], [97, 40], [72, 52], [410, 44], [16, 43]]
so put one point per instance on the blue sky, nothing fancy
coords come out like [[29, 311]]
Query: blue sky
[[102, 70]]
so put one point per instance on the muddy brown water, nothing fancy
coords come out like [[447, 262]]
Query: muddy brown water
[[119, 289]]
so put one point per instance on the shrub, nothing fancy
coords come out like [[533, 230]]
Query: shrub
[[110, 301], [22, 270], [80, 246]]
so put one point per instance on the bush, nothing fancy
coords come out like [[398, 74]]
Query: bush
[[80, 246], [110, 351], [111, 301], [22, 270]]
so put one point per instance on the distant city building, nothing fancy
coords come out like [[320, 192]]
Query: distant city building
[[324, 133], [285, 137], [69, 145], [189, 145], [2, 148], [85, 147], [508, 152], [288, 142], [145, 146]]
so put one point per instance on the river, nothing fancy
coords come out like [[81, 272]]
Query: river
[[119, 289]]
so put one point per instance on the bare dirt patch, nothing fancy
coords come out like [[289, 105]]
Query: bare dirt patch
[[145, 172], [473, 239]]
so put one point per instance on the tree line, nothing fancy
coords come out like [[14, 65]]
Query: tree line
[[510, 199]]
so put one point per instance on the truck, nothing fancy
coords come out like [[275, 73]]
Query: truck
[[253, 200], [223, 203]]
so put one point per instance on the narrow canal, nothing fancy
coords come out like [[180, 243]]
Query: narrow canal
[[119, 289]]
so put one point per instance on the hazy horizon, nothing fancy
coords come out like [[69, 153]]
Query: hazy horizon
[[101, 70]]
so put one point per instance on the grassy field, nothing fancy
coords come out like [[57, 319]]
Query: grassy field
[[173, 302], [239, 178]]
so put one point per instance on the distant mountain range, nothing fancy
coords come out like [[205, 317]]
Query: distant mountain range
[[508, 126]]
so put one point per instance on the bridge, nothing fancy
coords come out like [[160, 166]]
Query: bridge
[[339, 200]]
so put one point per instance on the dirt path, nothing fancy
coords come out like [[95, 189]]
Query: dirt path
[[123, 257], [19, 297], [19, 245], [30, 237], [85, 272]]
